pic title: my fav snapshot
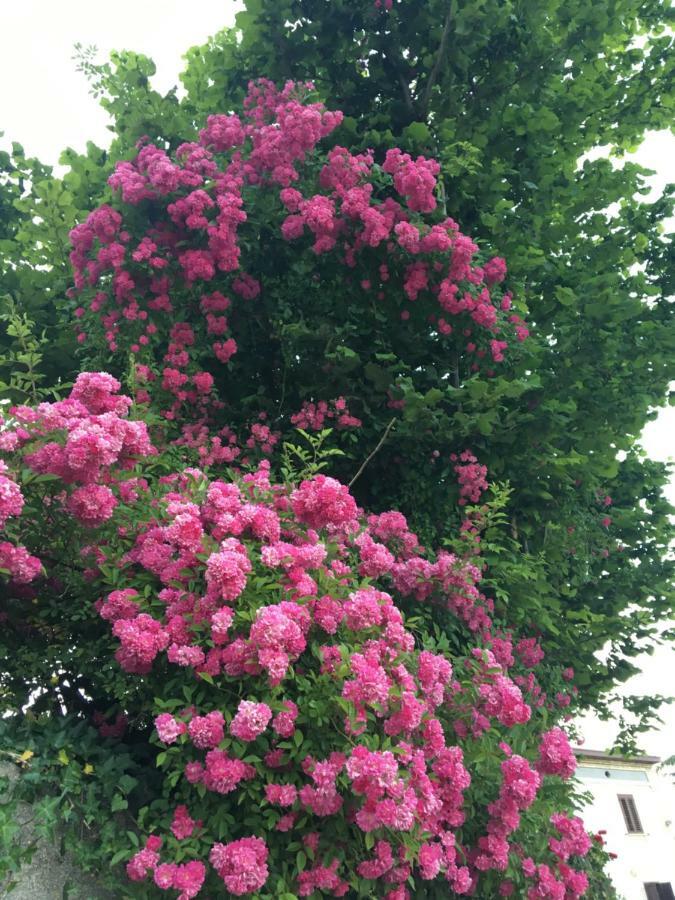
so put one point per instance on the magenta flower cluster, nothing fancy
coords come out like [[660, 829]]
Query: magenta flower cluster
[[171, 295], [278, 624], [206, 541], [287, 600], [80, 441]]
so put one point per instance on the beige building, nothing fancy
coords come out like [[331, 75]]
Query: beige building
[[635, 805]]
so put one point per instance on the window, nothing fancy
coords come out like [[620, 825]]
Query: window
[[659, 891], [630, 814]]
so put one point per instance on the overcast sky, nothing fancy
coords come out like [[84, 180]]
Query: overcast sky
[[45, 105]]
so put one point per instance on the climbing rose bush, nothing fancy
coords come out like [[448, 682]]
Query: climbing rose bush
[[332, 708], [185, 271], [309, 742]]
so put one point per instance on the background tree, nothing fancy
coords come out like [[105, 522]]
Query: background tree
[[410, 708], [509, 98]]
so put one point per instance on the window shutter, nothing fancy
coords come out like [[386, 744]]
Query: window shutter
[[659, 891], [630, 815]]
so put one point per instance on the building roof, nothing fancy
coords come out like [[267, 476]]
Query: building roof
[[602, 756]]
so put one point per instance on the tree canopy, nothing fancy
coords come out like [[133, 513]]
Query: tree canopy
[[387, 314], [509, 98]]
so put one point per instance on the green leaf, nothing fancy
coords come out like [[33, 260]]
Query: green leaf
[[417, 132], [118, 803]]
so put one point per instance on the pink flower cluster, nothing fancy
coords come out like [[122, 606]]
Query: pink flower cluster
[[221, 772], [86, 442], [555, 754], [284, 721], [413, 179], [241, 580], [226, 570], [278, 636], [350, 214], [11, 498], [323, 501], [183, 825], [518, 790], [472, 477], [503, 700], [322, 878], [203, 201], [20, 565], [322, 796], [91, 504], [82, 438], [315, 416], [145, 860], [571, 883], [137, 286], [241, 864], [573, 841], [187, 878], [250, 721], [141, 639], [206, 732], [168, 728]]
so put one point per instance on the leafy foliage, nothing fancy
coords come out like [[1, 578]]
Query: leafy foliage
[[509, 98], [283, 671], [489, 90], [67, 774]]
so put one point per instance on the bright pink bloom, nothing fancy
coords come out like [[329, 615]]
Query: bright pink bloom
[[555, 754], [241, 864], [226, 570], [206, 732], [92, 504], [22, 567], [222, 773], [11, 498], [251, 720], [168, 728], [283, 723], [323, 501], [183, 824]]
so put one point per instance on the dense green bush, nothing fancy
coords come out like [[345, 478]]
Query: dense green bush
[[291, 287]]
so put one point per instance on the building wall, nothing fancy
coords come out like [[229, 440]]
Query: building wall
[[648, 857], [49, 875]]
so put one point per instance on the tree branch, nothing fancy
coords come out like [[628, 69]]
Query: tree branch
[[455, 371], [395, 66], [433, 76], [410, 106], [368, 458], [399, 69]]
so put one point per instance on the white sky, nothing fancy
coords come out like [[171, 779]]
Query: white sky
[[45, 105]]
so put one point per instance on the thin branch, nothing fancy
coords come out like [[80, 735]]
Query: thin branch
[[455, 371], [397, 66], [283, 389], [439, 60], [368, 458], [410, 106], [444, 196]]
